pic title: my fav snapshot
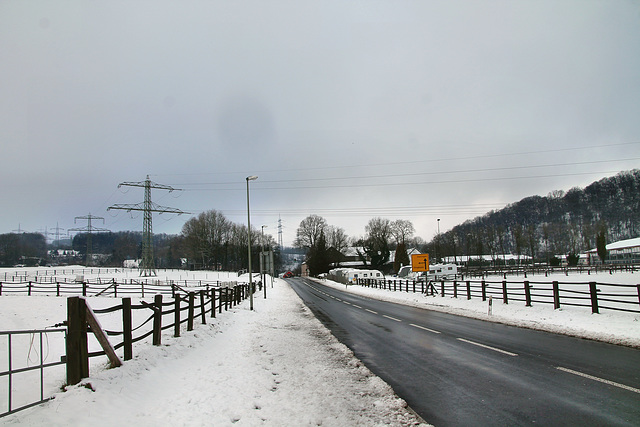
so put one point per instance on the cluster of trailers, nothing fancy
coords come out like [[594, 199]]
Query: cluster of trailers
[[436, 272]]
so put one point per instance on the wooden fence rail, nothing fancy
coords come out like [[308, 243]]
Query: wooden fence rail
[[110, 288], [596, 295]]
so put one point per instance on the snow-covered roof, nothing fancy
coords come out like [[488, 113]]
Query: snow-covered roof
[[621, 244]]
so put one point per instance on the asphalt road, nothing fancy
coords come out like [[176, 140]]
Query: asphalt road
[[457, 371]]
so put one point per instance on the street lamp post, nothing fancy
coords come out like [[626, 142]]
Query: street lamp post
[[249, 178]]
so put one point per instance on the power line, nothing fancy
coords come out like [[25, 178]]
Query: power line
[[403, 183], [425, 161]]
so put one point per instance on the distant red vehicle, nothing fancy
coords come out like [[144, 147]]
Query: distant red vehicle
[[287, 275]]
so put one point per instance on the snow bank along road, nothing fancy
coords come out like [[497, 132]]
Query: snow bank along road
[[460, 371]]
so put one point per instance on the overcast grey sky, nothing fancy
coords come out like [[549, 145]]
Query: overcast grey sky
[[350, 110]]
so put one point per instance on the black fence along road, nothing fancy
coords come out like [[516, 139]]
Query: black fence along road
[[457, 371]]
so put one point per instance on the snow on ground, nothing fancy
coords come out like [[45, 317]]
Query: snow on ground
[[609, 326], [276, 365]]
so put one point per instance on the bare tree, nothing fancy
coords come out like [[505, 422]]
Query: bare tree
[[309, 231], [402, 230], [337, 238], [376, 242]]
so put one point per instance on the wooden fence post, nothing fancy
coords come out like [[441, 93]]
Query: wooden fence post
[[637, 286], [556, 295], [127, 328], [505, 296], [77, 348], [455, 289], [593, 291], [213, 302], [203, 310], [157, 320], [468, 289], [484, 290], [176, 315], [442, 288], [192, 296], [527, 293]]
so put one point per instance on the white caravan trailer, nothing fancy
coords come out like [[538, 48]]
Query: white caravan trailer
[[353, 275]]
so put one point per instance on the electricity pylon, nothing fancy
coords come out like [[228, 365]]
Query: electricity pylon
[[89, 229], [147, 266]]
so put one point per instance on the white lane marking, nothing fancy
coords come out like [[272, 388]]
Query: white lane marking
[[602, 380], [426, 329], [392, 318], [355, 305], [371, 311], [348, 303], [487, 347]]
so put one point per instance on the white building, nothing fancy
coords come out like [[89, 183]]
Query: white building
[[620, 252]]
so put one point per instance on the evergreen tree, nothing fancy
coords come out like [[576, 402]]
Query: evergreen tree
[[401, 258], [601, 245], [318, 256]]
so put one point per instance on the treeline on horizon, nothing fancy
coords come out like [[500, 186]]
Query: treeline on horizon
[[537, 226]]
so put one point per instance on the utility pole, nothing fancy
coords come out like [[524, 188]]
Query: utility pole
[[147, 267], [89, 229], [279, 232]]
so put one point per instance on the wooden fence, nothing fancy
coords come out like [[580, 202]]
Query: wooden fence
[[596, 295], [185, 306], [107, 288]]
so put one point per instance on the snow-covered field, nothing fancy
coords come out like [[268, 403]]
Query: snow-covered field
[[276, 365]]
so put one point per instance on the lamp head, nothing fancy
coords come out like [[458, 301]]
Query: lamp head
[[252, 178]]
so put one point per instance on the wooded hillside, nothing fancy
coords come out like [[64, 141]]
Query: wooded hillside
[[558, 224]]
